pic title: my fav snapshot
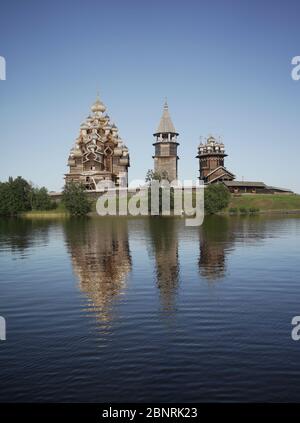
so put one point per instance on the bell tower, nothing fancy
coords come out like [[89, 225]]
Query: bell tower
[[165, 156], [211, 155]]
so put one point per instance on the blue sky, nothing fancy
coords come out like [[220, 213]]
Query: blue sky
[[225, 67]]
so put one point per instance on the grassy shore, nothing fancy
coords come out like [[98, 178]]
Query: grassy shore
[[59, 211], [266, 202], [262, 203], [44, 214]]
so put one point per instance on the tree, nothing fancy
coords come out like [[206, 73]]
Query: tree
[[216, 198], [4, 198], [156, 176], [41, 200], [75, 199], [14, 196]]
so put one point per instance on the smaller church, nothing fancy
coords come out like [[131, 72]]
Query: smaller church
[[211, 155]]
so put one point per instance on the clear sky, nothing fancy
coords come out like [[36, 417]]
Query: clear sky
[[225, 67]]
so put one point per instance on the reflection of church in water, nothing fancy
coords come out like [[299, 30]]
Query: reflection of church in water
[[101, 260], [215, 240], [164, 242]]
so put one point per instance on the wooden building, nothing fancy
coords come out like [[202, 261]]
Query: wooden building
[[211, 155], [246, 187], [165, 156], [99, 153]]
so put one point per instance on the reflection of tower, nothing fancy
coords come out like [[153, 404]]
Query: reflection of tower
[[165, 246], [215, 239], [165, 157], [101, 259], [218, 236]]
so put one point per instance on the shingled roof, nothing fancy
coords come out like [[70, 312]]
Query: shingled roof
[[244, 184], [166, 125]]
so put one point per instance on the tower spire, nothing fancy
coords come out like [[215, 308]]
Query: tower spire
[[166, 125], [165, 156]]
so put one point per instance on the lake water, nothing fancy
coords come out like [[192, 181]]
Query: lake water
[[141, 310]]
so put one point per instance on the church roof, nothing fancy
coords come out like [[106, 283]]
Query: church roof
[[245, 184], [218, 168], [279, 189], [166, 125]]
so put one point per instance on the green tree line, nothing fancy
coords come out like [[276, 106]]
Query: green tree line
[[18, 195]]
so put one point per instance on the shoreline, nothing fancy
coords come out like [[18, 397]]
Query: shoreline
[[59, 215], [239, 206]]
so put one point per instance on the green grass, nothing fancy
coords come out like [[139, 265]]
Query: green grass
[[266, 202], [60, 211]]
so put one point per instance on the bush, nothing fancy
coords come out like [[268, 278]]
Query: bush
[[216, 198], [243, 210], [75, 199], [253, 210], [233, 210]]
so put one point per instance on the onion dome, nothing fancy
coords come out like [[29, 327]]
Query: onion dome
[[118, 151], [98, 106], [84, 126], [77, 153], [114, 130]]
